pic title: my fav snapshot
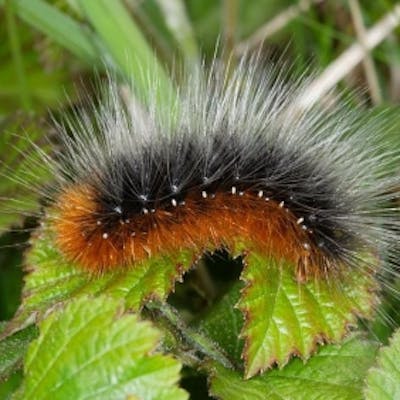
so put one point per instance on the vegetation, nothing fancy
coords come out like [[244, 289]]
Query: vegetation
[[154, 332]]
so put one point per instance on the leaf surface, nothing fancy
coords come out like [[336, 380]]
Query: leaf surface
[[12, 350], [52, 279], [336, 372], [90, 350], [223, 323], [383, 380], [285, 318]]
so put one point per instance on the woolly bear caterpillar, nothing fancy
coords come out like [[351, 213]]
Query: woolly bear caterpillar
[[231, 162]]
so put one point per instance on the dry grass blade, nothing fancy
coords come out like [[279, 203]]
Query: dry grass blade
[[351, 57], [274, 25], [368, 62]]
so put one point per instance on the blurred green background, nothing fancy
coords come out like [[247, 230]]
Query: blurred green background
[[50, 51]]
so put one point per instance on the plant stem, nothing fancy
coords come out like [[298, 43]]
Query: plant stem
[[196, 340]]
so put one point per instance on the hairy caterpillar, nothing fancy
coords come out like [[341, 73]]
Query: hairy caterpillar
[[230, 160]]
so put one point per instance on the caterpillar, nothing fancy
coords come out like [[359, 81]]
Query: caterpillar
[[231, 161]]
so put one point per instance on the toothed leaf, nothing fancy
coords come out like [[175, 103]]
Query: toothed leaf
[[284, 317], [52, 279], [383, 381], [90, 349], [335, 372]]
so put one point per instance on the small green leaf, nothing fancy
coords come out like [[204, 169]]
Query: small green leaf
[[335, 372], [52, 279], [12, 350], [223, 323], [284, 317], [383, 381], [90, 350]]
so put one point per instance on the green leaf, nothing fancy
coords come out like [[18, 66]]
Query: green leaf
[[383, 381], [52, 279], [335, 372], [90, 349], [8, 387], [59, 27], [13, 349], [223, 323], [129, 49], [285, 318], [179, 25]]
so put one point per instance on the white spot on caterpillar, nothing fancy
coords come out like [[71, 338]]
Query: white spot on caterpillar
[[174, 203], [145, 211], [300, 220], [281, 204], [306, 246], [105, 235], [118, 209], [127, 221], [241, 193], [133, 234], [260, 194], [98, 222], [153, 210], [204, 194], [267, 199], [233, 190], [182, 203], [174, 188], [304, 227]]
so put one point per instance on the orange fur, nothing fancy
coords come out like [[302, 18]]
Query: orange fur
[[202, 224]]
